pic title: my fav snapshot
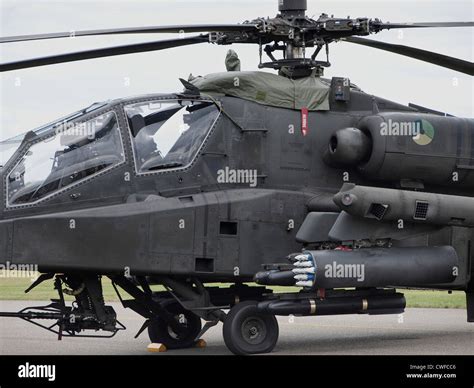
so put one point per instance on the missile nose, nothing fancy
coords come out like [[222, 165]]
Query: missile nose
[[261, 277], [275, 278], [345, 199], [348, 199]]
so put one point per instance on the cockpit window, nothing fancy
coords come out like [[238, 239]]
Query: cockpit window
[[9, 146], [168, 134], [72, 153]]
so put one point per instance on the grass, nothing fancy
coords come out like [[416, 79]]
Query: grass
[[13, 289], [435, 299]]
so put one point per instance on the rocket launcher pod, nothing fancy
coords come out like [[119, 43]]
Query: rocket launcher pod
[[373, 267]]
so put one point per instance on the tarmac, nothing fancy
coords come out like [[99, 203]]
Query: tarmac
[[416, 332]]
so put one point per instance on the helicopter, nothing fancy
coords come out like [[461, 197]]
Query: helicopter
[[247, 178]]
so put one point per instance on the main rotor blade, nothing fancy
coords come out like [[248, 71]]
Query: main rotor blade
[[423, 55], [135, 30], [388, 26], [103, 52]]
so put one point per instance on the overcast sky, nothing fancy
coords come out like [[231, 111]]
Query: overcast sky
[[32, 97]]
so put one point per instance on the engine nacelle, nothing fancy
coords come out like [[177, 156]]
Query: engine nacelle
[[407, 146]]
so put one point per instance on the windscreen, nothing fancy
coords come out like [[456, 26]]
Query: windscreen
[[72, 153], [168, 134], [10, 145]]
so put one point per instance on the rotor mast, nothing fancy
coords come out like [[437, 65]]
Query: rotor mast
[[290, 10], [294, 11]]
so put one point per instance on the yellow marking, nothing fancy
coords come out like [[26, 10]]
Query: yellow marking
[[312, 303], [365, 304]]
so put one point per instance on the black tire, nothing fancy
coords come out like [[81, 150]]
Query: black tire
[[160, 332], [247, 331]]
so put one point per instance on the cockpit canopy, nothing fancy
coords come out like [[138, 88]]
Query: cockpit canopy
[[168, 134], [70, 154], [165, 134], [9, 146]]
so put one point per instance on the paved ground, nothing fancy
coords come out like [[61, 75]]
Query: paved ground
[[423, 331]]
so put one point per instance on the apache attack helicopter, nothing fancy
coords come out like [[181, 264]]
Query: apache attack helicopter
[[287, 179]]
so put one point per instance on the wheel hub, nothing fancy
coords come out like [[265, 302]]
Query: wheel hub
[[254, 330]]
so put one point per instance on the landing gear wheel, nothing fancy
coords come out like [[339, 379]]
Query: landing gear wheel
[[247, 331], [160, 331]]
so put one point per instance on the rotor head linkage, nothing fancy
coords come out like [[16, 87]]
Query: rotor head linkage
[[291, 31]]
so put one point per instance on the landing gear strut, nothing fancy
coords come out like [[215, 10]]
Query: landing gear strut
[[87, 313], [248, 331]]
